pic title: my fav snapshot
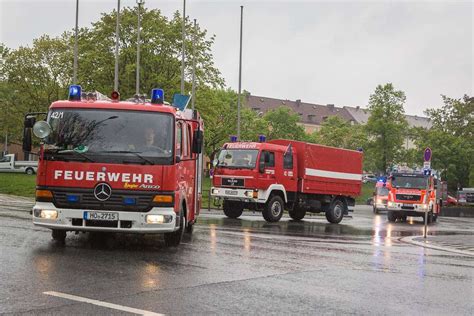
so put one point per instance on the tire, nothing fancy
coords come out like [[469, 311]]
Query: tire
[[174, 239], [335, 213], [232, 209], [297, 214], [58, 235], [435, 218], [403, 218], [273, 210], [30, 171], [190, 228], [392, 216]]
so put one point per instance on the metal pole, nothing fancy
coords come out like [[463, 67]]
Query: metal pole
[[137, 80], [425, 200], [117, 36], [240, 72], [193, 95], [183, 48], [74, 76]]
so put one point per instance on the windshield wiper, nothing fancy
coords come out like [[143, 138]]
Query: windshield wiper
[[136, 153], [72, 151]]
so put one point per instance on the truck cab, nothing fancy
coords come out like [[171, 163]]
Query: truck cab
[[246, 174], [380, 197], [111, 166]]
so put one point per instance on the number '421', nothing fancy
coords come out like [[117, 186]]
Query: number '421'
[[57, 115]]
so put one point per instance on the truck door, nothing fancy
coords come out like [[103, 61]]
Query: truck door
[[6, 163], [287, 176], [267, 177]]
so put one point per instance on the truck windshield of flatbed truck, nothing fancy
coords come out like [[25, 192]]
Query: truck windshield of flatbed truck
[[110, 135], [238, 158], [409, 182]]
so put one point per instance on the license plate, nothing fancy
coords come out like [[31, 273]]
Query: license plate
[[101, 216], [407, 205], [231, 192]]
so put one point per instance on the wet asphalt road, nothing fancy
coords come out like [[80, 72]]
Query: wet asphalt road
[[244, 266]]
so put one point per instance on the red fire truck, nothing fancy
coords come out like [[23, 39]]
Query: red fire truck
[[283, 174], [111, 166], [413, 194]]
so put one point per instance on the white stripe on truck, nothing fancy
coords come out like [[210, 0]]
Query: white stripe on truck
[[333, 174]]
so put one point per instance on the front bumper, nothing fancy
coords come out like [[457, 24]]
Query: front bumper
[[407, 207], [244, 195], [136, 221]]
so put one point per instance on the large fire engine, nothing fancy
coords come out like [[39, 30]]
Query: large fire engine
[[413, 194], [112, 166], [283, 174]]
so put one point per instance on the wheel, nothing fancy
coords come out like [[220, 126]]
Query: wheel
[[297, 214], [190, 228], [403, 218], [429, 219], [174, 239], [232, 209], [392, 216], [29, 171], [273, 210], [435, 218], [58, 235], [376, 211], [335, 213]]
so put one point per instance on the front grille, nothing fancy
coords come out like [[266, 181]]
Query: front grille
[[232, 182], [88, 201], [407, 197]]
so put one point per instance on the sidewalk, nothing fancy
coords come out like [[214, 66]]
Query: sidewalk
[[459, 243]]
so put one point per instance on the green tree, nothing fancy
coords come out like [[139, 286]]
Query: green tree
[[339, 133], [386, 125], [451, 140], [283, 123]]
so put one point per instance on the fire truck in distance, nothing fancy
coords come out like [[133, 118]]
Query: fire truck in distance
[[413, 194], [111, 166], [287, 175], [380, 197]]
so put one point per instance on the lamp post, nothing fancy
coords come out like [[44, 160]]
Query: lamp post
[[74, 76], [240, 72], [137, 87], [183, 47], [117, 36], [193, 96]]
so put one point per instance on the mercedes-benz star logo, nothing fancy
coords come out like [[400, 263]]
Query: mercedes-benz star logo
[[102, 191]]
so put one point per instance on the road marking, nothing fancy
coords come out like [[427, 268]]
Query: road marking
[[103, 304], [410, 240]]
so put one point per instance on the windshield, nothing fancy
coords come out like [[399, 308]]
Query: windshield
[[383, 191], [409, 182], [238, 158], [110, 135]]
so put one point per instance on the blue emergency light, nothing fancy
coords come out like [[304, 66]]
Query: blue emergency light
[[71, 198], [157, 96], [129, 201], [262, 138], [75, 93], [233, 138]]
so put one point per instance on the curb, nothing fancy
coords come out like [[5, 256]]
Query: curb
[[410, 240]]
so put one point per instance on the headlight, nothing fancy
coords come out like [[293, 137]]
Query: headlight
[[251, 194], [215, 191], [423, 206], [379, 201], [391, 204], [158, 219], [46, 214]]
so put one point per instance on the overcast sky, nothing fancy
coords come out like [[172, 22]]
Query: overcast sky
[[317, 51]]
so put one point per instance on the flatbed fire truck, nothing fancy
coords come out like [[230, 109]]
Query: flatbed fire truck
[[287, 175], [413, 194], [112, 166]]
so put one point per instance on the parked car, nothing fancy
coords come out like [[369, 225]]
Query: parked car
[[9, 164], [369, 178]]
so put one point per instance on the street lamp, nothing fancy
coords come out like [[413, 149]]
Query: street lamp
[[137, 88]]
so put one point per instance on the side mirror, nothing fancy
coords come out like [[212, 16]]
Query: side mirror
[[29, 122], [215, 162], [27, 139], [198, 139], [261, 166]]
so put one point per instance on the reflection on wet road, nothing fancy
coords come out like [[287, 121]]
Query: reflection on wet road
[[243, 266]]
